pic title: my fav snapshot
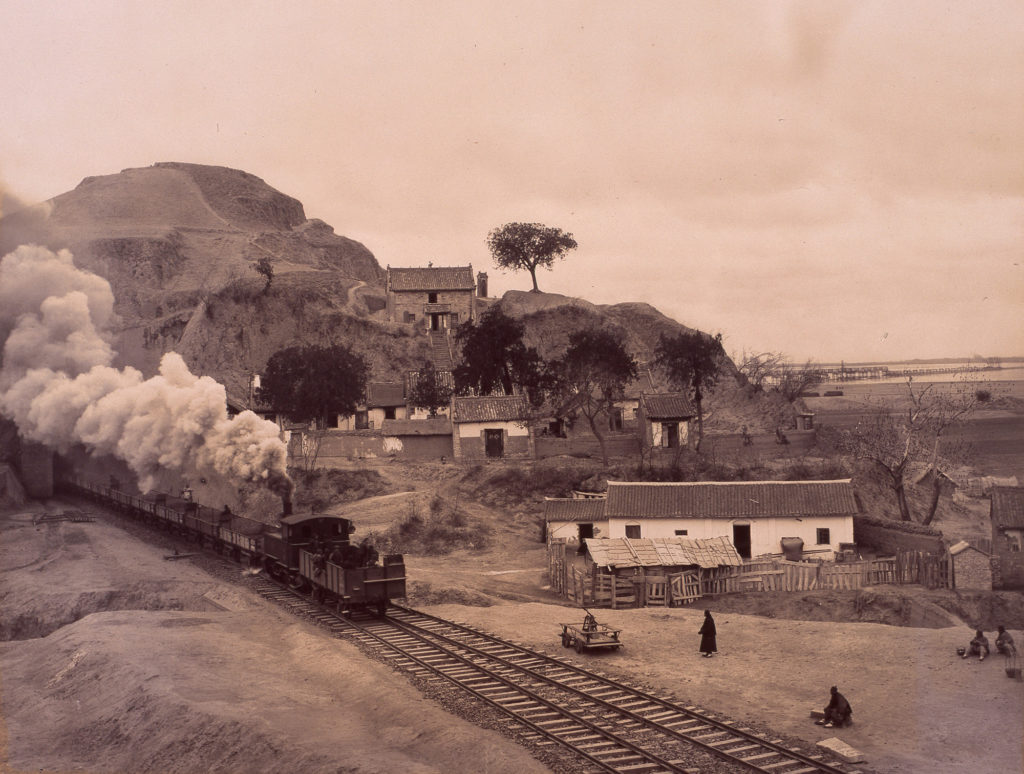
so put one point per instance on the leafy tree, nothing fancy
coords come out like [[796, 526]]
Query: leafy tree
[[518, 246], [593, 373], [691, 360], [264, 268], [428, 391], [310, 384], [495, 359]]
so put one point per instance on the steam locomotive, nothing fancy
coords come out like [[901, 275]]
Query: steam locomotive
[[312, 552]]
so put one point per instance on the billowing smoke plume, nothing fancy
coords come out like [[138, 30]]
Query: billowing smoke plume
[[57, 384]]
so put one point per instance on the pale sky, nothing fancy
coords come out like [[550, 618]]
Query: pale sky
[[830, 180]]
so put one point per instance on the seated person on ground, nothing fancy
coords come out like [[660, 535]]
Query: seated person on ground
[[838, 712], [1004, 643], [979, 646]]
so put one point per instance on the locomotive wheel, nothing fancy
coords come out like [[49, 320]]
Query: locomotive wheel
[[382, 608], [566, 641]]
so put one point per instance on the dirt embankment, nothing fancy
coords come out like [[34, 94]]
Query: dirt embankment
[[115, 659]]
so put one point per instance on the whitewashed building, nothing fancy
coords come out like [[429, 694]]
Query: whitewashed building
[[754, 515]]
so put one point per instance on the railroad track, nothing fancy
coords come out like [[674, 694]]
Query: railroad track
[[609, 725]]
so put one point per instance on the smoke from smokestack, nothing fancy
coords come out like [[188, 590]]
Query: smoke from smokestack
[[57, 385]]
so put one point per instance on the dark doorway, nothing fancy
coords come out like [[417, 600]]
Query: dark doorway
[[670, 434], [586, 531], [435, 322], [494, 443], [741, 539]]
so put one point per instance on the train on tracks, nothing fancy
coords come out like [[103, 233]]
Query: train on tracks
[[311, 552]]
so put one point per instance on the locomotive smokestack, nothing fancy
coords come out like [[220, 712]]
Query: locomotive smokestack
[[286, 504]]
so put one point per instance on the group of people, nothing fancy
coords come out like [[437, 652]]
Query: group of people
[[979, 645], [837, 713], [344, 555]]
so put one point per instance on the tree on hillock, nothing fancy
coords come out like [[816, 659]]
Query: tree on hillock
[[496, 361], [592, 375], [692, 361], [518, 246]]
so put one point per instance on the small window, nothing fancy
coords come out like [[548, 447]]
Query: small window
[[682, 532], [410, 317], [389, 412], [431, 298], [823, 536], [633, 531]]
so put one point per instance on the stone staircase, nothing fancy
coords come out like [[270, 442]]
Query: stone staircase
[[440, 352]]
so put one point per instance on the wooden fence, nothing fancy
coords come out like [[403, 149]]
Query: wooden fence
[[639, 587]]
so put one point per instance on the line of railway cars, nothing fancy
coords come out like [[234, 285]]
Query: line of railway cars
[[313, 552]]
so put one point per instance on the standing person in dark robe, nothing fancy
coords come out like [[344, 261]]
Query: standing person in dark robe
[[838, 711], [708, 633]]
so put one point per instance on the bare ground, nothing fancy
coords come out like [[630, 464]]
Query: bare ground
[[115, 660]]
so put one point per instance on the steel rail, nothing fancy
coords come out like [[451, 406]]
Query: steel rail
[[580, 724], [657, 704]]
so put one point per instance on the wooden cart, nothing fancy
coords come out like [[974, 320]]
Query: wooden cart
[[590, 634]]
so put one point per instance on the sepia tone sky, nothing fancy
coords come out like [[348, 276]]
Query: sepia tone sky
[[830, 180]]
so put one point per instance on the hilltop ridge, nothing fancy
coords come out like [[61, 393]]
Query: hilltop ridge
[[178, 241]]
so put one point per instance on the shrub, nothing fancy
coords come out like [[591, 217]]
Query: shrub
[[446, 529]]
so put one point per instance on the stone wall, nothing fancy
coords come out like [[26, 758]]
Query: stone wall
[[888, 541], [972, 569]]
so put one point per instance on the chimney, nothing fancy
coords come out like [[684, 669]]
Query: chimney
[[286, 505], [481, 285]]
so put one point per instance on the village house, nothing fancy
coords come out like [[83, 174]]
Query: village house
[[437, 298], [491, 426], [1007, 516], [384, 400], [575, 519], [663, 421], [756, 516]]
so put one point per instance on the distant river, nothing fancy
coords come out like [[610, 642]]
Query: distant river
[[1011, 372]]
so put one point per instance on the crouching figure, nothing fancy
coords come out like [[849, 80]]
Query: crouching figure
[[838, 712], [978, 647]]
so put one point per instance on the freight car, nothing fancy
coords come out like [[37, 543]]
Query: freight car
[[312, 552]]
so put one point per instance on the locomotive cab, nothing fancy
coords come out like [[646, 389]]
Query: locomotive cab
[[305, 532]]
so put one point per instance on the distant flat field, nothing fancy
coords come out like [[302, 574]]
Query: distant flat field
[[996, 435]]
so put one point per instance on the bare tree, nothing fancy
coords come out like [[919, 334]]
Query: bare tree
[[771, 371], [893, 440]]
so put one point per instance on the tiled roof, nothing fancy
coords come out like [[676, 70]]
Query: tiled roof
[[436, 426], [573, 509], [433, 278], [663, 552], [1008, 506], [441, 378], [729, 500], [380, 394], [490, 408], [672, 405]]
